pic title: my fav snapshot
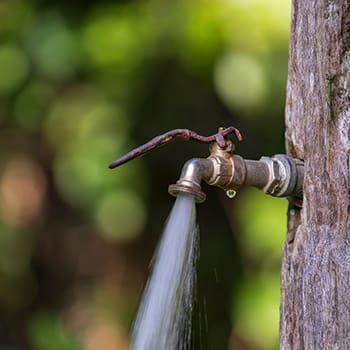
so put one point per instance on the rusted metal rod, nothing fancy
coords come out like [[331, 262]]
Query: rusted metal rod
[[219, 137]]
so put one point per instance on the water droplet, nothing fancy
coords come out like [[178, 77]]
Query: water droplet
[[231, 193]]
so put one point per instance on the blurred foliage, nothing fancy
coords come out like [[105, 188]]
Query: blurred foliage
[[258, 236], [46, 332], [256, 307], [82, 83]]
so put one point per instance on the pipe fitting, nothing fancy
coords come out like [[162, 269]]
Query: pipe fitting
[[276, 175], [290, 175]]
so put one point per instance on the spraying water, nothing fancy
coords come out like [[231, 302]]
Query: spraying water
[[164, 318]]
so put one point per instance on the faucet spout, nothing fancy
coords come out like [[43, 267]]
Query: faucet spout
[[193, 172]]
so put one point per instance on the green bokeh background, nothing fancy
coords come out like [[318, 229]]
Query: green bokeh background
[[83, 82]]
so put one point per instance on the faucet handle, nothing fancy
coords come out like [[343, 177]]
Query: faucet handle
[[220, 138]]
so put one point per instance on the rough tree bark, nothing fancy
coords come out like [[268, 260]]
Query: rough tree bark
[[315, 305]]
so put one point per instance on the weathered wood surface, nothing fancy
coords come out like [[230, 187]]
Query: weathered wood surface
[[315, 276]]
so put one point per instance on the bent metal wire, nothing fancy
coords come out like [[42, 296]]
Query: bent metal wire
[[186, 134]]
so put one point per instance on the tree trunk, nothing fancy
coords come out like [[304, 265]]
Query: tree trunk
[[315, 277]]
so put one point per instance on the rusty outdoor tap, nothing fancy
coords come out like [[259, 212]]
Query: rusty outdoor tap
[[278, 176]]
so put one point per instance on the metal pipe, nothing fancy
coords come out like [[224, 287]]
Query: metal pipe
[[249, 173], [257, 173]]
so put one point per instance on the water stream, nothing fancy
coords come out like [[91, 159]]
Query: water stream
[[165, 315]]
